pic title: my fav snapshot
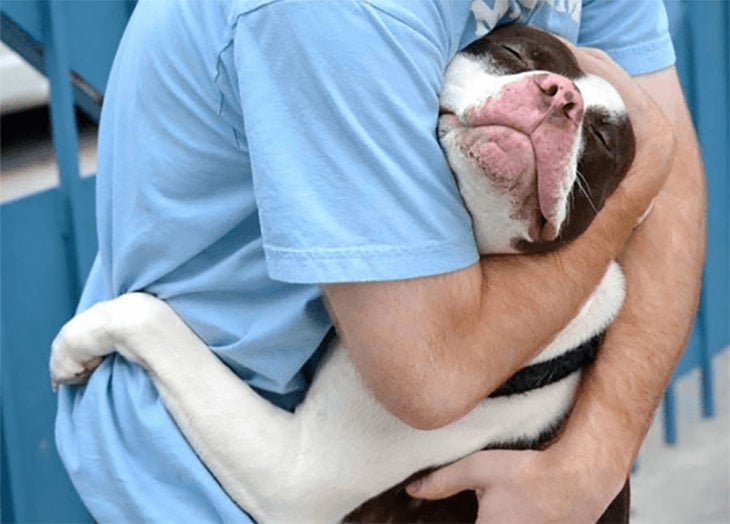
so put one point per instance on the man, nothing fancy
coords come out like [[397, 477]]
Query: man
[[256, 154]]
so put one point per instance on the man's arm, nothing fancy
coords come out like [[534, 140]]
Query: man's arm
[[578, 475], [432, 348], [663, 264]]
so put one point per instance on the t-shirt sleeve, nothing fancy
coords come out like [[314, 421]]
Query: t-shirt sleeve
[[340, 105], [634, 33]]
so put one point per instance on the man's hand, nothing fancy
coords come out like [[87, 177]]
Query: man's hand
[[523, 486]]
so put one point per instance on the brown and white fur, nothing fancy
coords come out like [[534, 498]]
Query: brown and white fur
[[536, 147]]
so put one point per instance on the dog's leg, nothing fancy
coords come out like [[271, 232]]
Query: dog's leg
[[244, 440], [315, 465], [258, 453], [324, 460]]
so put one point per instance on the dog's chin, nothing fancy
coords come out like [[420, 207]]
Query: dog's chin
[[503, 153], [496, 170]]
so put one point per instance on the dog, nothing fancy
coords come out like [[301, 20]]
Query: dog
[[536, 147]]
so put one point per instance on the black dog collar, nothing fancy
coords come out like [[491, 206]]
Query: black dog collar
[[544, 373]]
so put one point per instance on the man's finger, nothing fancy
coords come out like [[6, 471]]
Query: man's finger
[[467, 473]]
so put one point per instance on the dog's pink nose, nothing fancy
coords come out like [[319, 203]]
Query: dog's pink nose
[[561, 96]]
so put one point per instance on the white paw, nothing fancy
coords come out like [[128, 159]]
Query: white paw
[[67, 366], [79, 348], [66, 369]]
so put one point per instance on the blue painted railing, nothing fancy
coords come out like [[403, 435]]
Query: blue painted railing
[[47, 240]]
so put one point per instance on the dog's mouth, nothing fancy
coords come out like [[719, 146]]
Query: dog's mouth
[[507, 157]]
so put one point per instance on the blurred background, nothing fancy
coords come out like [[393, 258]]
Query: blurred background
[[54, 62]]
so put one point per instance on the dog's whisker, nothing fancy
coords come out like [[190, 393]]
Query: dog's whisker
[[585, 189], [582, 178]]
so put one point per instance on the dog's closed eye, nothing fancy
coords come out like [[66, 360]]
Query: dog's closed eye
[[602, 136], [515, 53]]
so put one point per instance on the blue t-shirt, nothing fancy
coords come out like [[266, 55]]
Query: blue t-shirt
[[251, 150]]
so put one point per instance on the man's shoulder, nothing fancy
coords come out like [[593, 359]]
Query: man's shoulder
[[435, 19], [407, 8]]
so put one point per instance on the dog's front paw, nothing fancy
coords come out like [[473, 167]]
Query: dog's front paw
[[79, 347], [65, 368]]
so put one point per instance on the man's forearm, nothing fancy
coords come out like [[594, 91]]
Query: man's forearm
[[490, 319], [663, 264], [527, 300], [522, 302]]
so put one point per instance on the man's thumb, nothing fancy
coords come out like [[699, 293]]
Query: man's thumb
[[447, 481]]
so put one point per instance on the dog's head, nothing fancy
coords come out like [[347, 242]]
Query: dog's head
[[536, 145]]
